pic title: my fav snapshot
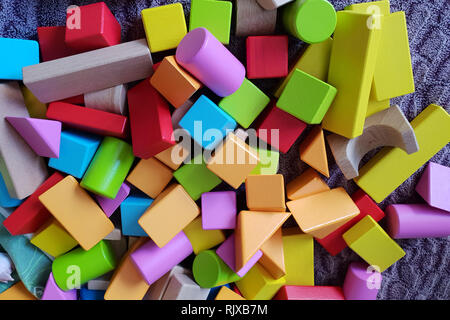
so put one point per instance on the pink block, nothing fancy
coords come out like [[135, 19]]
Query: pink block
[[53, 292], [110, 205], [309, 293], [361, 284], [227, 253], [219, 210], [408, 221], [434, 186]]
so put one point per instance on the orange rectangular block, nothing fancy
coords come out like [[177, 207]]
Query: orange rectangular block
[[306, 184], [173, 157], [265, 192], [228, 294], [17, 292]]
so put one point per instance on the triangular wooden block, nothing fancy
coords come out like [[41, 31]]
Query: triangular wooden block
[[43, 136], [273, 255], [228, 294], [313, 151], [252, 230]]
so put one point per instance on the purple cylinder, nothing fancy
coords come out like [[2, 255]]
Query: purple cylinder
[[209, 61], [408, 221], [154, 262], [360, 284]]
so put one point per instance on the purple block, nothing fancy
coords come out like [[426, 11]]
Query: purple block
[[227, 253], [53, 292], [154, 262], [110, 205], [434, 186], [408, 221], [361, 283], [219, 210]]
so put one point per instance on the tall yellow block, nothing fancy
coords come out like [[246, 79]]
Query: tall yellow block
[[258, 284], [298, 257], [201, 239], [17, 292]]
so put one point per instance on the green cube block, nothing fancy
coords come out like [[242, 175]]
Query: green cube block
[[306, 97], [196, 178], [268, 162], [245, 104], [212, 15]]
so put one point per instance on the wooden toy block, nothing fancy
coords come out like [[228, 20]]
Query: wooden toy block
[[385, 128], [15, 55], [53, 239], [306, 184], [92, 295], [334, 243], [267, 57], [76, 152], [214, 291], [115, 235], [390, 167], [252, 19], [31, 214], [268, 162], [245, 104], [66, 77], [233, 161], [98, 28], [90, 120], [100, 283], [228, 294], [109, 206], [52, 43], [182, 287], [306, 97], [309, 20], [53, 292], [5, 200], [174, 156], [253, 229], [273, 255], [212, 15], [78, 100], [298, 249], [36, 109], [164, 26], [313, 61], [265, 192], [169, 214], [131, 210], [179, 113], [150, 176], [313, 151], [210, 270], [213, 122], [352, 65], [109, 100], [358, 283], [77, 212], [373, 244], [219, 210], [309, 293], [382, 7], [202, 239], [151, 127], [375, 106], [17, 292], [157, 289], [258, 284], [272, 4], [434, 186], [290, 128]]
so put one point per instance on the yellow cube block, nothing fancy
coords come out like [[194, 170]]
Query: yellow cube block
[[298, 257], [258, 284], [202, 239]]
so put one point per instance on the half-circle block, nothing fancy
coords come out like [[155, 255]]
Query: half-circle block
[[385, 128]]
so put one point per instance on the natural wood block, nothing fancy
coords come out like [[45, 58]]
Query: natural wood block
[[17, 292], [306, 184], [273, 255], [298, 251], [314, 152], [228, 294], [174, 156], [265, 192], [272, 4], [183, 287], [110, 99], [252, 19], [157, 289]]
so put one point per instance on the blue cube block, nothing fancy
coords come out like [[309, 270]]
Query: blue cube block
[[131, 210], [86, 294], [16, 54], [76, 152], [5, 200], [207, 123]]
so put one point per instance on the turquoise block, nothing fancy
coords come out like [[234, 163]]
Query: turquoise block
[[76, 152], [16, 54], [86, 294], [5, 200], [214, 122], [131, 210]]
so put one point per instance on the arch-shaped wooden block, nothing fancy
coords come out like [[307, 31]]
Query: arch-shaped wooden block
[[385, 128]]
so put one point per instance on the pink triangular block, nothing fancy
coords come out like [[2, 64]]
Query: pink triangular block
[[43, 136]]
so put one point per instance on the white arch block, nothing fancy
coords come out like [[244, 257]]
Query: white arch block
[[272, 4]]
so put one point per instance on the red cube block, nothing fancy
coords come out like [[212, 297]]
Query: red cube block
[[309, 293], [91, 27], [52, 43], [267, 57]]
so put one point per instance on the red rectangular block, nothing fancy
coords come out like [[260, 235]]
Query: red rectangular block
[[31, 214], [52, 43], [78, 100], [150, 119], [267, 57], [334, 243], [309, 293], [90, 120]]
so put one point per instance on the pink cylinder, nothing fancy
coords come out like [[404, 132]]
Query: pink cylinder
[[154, 262], [408, 221], [358, 285], [209, 61]]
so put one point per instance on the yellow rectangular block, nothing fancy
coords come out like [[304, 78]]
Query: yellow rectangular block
[[227, 294], [258, 284], [173, 162], [77, 212], [298, 257], [375, 106], [390, 167], [201, 239], [352, 65], [375, 7], [265, 192], [17, 292], [306, 184]]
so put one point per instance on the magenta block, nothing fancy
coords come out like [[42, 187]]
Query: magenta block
[[408, 221], [226, 252], [209, 61], [154, 262], [53, 292], [434, 186], [219, 210], [110, 205], [361, 283]]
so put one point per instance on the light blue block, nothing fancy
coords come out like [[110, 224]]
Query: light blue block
[[86, 294], [76, 152], [16, 54], [5, 200], [211, 117], [131, 210]]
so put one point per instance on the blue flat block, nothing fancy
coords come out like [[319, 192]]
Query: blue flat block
[[214, 291], [86, 294], [214, 122], [131, 210], [16, 54], [5, 200], [76, 152]]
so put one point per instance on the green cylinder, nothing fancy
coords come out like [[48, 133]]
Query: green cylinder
[[109, 167], [210, 271], [79, 266]]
